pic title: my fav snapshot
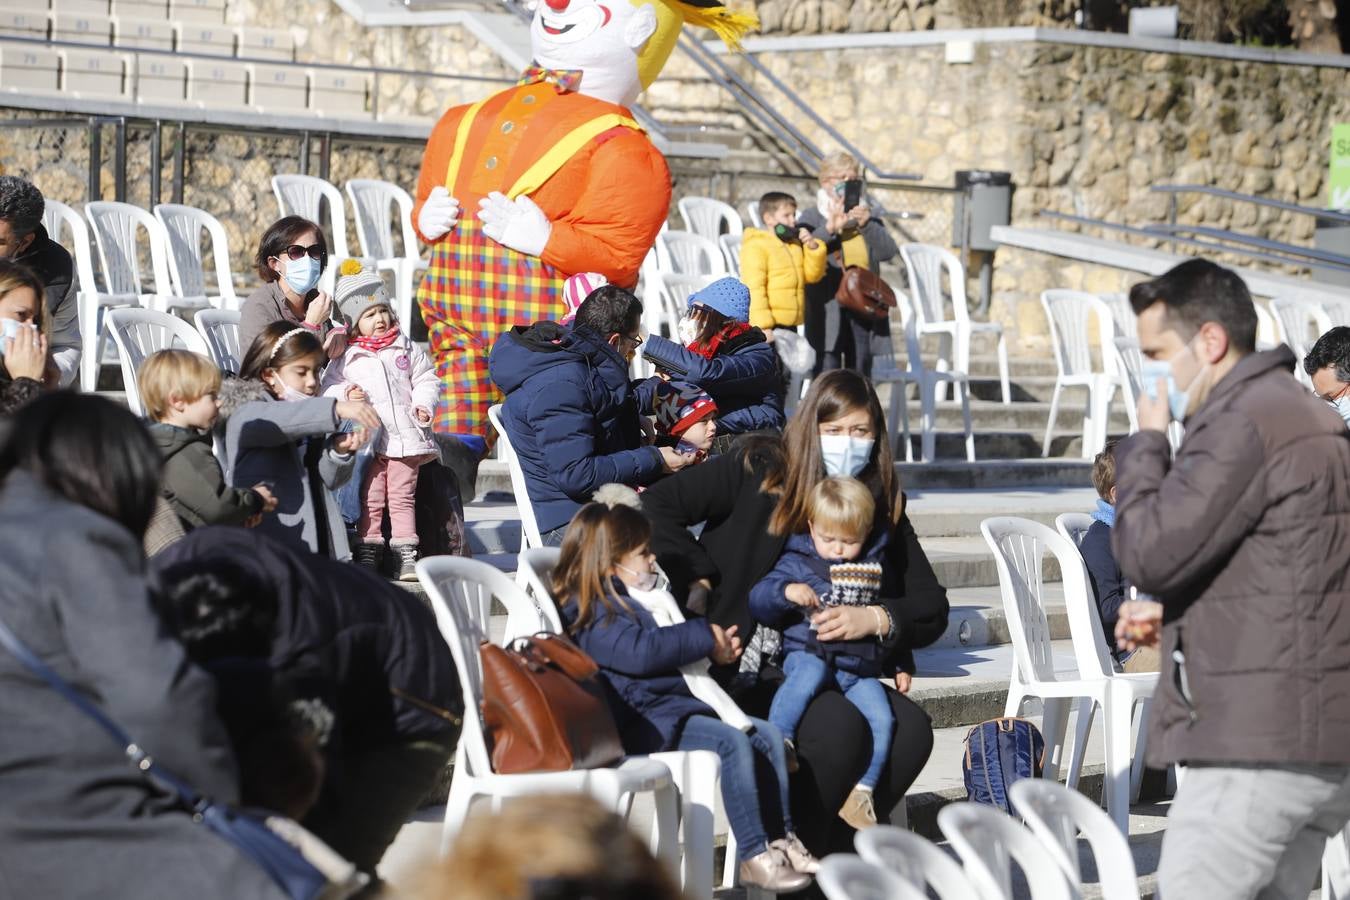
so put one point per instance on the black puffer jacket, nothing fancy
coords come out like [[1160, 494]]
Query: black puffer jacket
[[366, 648]]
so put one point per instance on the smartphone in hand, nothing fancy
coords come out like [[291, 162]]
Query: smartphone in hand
[[852, 193]]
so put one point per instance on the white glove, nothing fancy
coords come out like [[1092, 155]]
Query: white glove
[[520, 225], [439, 214]]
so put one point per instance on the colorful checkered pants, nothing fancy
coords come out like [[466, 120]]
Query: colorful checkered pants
[[475, 289]]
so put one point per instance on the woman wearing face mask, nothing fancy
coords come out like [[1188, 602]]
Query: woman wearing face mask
[[291, 257], [278, 431], [750, 501], [841, 338], [25, 364]]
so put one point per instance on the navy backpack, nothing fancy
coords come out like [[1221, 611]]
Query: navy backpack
[[998, 753]]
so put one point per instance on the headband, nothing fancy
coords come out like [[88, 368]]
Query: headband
[[283, 339]]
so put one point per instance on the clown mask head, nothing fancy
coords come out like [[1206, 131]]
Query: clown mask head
[[620, 46]]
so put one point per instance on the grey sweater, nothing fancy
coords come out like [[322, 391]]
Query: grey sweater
[[267, 440]]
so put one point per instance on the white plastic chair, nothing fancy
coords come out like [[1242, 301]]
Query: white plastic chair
[[989, 841], [686, 253], [303, 195], [695, 773], [183, 227], [752, 214], [1073, 526], [673, 293], [1336, 867], [1056, 814], [926, 265], [731, 252], [918, 861], [139, 333], [371, 202], [529, 526], [1019, 546], [115, 228], [55, 217], [220, 328], [1068, 312], [1267, 331], [1122, 314], [705, 216], [461, 593], [1299, 323], [844, 876], [885, 370]]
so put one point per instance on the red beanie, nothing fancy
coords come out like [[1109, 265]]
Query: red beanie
[[680, 405]]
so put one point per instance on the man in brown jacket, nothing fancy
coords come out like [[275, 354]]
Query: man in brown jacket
[[1244, 539]]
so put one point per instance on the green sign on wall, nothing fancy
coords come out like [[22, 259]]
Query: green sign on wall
[[1338, 181]]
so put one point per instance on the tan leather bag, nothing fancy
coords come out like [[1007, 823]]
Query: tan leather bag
[[544, 709], [862, 291]]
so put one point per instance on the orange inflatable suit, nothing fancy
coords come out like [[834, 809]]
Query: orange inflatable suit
[[541, 181]]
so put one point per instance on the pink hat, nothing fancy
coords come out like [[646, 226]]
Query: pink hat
[[578, 288], [679, 406]]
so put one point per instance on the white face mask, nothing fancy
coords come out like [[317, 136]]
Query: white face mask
[[845, 455], [288, 393], [1342, 405], [646, 581], [689, 329]]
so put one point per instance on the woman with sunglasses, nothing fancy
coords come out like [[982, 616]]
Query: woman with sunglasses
[[291, 256]]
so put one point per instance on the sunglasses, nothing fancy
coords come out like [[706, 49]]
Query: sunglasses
[[317, 252]]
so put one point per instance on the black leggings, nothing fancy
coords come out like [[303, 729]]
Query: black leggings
[[834, 745]]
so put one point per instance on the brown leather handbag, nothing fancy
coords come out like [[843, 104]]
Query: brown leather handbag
[[544, 709], [862, 291]]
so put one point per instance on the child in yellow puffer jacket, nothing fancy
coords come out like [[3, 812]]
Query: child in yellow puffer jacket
[[777, 263]]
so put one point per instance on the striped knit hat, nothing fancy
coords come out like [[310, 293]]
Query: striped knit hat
[[578, 288]]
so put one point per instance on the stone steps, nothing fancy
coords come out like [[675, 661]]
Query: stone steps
[[954, 513], [1028, 416]]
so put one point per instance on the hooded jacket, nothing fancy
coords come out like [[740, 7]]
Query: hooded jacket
[[1245, 537], [192, 482], [290, 446], [343, 635], [744, 378], [777, 273], [395, 379], [640, 663], [572, 416], [801, 564]]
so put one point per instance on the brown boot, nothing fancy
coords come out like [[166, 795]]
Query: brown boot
[[798, 856], [858, 810], [772, 871]]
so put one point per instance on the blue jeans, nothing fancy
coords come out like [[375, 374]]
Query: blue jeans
[[754, 778], [805, 676]]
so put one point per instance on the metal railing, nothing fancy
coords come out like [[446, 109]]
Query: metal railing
[[1174, 189]]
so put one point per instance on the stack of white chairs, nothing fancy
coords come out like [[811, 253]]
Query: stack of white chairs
[[461, 593], [1020, 547], [372, 202], [926, 265], [709, 218], [116, 227], [183, 227], [1069, 313], [304, 195], [885, 370]]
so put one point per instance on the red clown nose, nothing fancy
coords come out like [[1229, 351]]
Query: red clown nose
[[557, 5]]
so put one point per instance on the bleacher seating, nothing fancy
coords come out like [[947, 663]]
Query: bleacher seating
[[339, 93], [24, 23], [266, 43], [96, 73], [81, 28], [82, 7], [210, 12], [161, 79], [219, 85], [153, 10], [142, 34], [278, 88], [29, 69], [207, 40]]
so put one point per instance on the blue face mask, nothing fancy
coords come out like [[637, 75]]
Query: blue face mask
[[845, 455], [302, 274], [1178, 401], [1342, 405]]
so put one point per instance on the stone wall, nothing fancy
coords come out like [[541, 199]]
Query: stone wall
[[1083, 130]]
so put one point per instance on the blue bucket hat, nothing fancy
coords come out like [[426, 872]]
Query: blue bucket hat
[[726, 296]]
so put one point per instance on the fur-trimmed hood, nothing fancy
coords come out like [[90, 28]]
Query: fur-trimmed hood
[[234, 393]]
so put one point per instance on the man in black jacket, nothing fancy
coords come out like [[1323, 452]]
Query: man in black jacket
[[24, 240]]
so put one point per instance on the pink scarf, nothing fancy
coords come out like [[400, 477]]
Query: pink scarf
[[376, 343]]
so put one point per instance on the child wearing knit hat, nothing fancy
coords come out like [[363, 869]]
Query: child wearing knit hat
[[726, 356], [687, 414], [384, 366]]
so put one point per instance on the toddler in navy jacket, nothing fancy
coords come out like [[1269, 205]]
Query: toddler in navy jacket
[[835, 564]]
